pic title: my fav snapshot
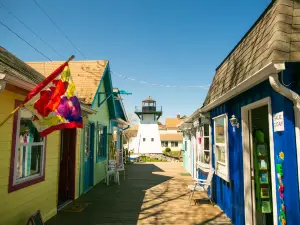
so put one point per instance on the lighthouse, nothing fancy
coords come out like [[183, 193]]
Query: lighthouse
[[148, 138]]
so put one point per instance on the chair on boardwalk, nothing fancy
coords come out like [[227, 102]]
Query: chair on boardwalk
[[35, 219], [111, 170], [120, 161], [202, 185]]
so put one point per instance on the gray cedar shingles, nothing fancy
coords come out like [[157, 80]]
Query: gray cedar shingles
[[17, 68], [272, 38]]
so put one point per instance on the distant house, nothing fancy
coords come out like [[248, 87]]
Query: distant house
[[32, 171], [252, 119], [170, 135]]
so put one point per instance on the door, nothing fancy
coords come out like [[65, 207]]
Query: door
[[258, 159], [88, 156], [260, 166], [66, 189]]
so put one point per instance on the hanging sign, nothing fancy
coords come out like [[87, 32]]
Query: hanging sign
[[278, 122]]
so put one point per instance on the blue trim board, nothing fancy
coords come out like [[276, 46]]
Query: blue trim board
[[98, 89], [106, 78]]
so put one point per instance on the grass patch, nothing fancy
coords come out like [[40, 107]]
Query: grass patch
[[173, 153], [148, 159]]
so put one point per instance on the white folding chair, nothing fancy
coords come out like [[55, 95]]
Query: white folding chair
[[111, 170], [202, 185], [120, 165]]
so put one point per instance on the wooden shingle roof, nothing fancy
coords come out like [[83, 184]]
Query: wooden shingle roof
[[275, 37], [85, 74], [15, 67], [171, 137], [172, 122]]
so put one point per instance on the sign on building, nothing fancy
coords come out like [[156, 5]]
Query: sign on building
[[278, 121]]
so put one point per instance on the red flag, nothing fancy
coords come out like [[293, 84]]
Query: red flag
[[54, 103]]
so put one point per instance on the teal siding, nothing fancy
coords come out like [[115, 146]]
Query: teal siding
[[104, 114]]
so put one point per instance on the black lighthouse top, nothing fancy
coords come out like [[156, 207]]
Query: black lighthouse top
[[148, 107], [149, 101]]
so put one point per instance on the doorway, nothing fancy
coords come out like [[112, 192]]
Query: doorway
[[88, 156], [66, 186], [258, 159]]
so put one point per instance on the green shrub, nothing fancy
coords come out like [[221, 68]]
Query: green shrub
[[167, 150]]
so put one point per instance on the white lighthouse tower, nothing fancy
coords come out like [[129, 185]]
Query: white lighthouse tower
[[148, 138]]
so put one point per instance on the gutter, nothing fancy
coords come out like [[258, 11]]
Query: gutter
[[87, 109], [256, 78], [17, 82], [295, 98], [122, 122]]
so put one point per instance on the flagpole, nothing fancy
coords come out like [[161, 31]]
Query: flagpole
[[20, 106], [71, 58], [11, 114]]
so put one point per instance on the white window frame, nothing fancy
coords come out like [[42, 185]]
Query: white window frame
[[223, 172], [17, 145], [174, 144], [202, 165]]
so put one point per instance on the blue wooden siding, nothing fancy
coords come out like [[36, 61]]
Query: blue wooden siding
[[230, 196]]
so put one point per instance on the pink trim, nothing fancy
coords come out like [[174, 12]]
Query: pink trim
[[11, 186], [61, 126], [45, 82]]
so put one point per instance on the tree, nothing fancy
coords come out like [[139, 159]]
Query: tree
[[133, 119]]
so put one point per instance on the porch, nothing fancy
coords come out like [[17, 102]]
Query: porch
[[153, 193]]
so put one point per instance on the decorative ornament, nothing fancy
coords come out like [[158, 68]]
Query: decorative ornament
[[279, 169], [281, 155]]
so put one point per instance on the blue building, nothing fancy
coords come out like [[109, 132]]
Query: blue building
[[253, 111]]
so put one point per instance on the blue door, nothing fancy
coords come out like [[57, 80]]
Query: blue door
[[88, 156]]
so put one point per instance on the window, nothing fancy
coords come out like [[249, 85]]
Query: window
[[152, 139], [185, 145], [144, 139], [205, 150], [101, 141], [174, 143], [164, 144], [221, 146], [28, 152]]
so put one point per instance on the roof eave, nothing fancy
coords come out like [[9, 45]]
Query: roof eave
[[17, 82], [256, 78], [87, 109]]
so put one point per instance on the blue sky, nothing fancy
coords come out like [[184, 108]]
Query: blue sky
[[160, 41]]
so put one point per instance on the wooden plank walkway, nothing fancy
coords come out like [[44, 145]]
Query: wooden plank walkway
[[153, 193]]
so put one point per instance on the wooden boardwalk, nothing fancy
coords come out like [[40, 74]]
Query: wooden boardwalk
[[153, 193]]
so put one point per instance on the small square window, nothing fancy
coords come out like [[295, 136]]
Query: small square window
[[164, 144], [144, 139], [174, 143], [101, 141], [152, 139]]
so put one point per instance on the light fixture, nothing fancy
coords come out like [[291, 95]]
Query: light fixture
[[234, 121]]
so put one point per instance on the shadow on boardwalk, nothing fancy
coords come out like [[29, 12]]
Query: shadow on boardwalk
[[152, 193]]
